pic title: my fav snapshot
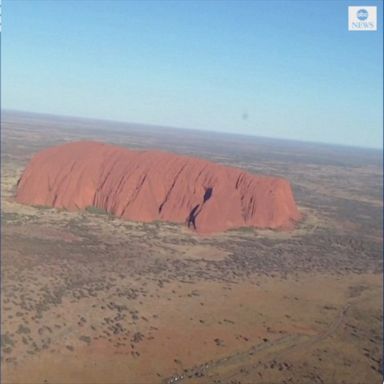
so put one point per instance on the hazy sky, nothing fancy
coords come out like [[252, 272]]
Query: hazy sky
[[287, 69]]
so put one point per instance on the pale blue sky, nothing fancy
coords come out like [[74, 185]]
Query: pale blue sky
[[287, 69]]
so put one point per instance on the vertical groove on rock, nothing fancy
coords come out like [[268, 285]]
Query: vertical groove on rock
[[172, 187], [134, 194]]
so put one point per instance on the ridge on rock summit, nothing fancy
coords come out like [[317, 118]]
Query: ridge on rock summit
[[155, 185]]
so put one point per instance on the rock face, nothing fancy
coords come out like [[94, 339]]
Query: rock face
[[154, 185]]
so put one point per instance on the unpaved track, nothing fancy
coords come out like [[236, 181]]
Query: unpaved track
[[278, 347]]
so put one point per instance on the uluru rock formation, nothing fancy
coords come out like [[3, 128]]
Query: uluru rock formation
[[155, 185]]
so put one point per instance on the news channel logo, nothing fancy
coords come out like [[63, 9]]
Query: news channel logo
[[362, 18], [362, 14]]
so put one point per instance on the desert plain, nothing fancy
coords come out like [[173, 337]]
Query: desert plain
[[89, 298]]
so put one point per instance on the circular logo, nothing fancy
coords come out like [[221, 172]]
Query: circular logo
[[362, 14]]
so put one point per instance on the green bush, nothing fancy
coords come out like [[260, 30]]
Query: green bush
[[96, 210], [42, 206]]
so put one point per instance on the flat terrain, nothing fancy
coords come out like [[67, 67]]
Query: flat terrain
[[88, 298]]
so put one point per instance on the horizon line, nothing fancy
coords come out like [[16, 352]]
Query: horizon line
[[69, 116]]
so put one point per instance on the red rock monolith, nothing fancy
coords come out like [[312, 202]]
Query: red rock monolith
[[155, 185]]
